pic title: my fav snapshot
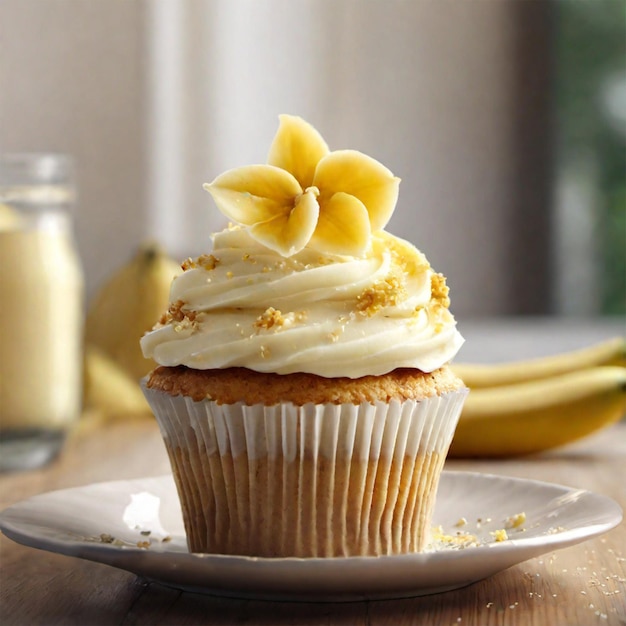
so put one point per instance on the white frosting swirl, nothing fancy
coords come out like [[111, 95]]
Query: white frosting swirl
[[330, 315]]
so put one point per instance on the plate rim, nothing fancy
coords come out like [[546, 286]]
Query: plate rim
[[609, 502], [611, 515]]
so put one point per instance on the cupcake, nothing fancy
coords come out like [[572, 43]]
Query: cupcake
[[303, 389]]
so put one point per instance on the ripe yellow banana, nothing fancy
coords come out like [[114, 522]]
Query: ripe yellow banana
[[477, 376], [10, 219], [109, 394], [109, 391], [538, 415], [128, 305]]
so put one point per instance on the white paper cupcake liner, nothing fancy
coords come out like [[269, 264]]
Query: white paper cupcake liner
[[313, 480]]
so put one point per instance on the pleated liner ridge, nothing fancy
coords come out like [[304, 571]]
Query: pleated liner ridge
[[307, 481]]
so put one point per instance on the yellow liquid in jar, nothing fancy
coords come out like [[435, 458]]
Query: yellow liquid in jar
[[41, 320]]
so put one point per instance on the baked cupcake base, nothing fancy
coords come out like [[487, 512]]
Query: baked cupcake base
[[311, 480]]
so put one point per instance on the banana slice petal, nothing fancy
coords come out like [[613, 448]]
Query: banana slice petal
[[360, 176], [306, 194], [297, 147], [343, 226], [254, 193], [289, 232]]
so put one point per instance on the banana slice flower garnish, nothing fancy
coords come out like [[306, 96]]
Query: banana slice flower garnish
[[307, 195]]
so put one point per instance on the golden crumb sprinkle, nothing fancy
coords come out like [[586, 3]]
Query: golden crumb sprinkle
[[248, 258], [176, 311], [459, 541], [208, 261], [181, 319], [417, 310], [439, 290], [205, 261], [270, 318], [406, 258], [515, 521], [383, 293], [499, 535]]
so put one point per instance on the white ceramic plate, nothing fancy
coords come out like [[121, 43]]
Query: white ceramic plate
[[81, 521]]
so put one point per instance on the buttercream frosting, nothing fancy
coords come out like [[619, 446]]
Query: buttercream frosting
[[267, 304]]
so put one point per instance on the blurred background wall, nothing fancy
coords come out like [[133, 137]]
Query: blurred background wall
[[458, 98], [72, 79]]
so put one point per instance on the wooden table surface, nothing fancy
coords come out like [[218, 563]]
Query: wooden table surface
[[582, 584]]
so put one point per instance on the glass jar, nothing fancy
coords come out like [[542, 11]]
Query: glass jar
[[41, 309]]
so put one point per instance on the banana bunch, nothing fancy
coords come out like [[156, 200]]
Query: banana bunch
[[109, 392], [9, 218], [127, 305], [530, 406]]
